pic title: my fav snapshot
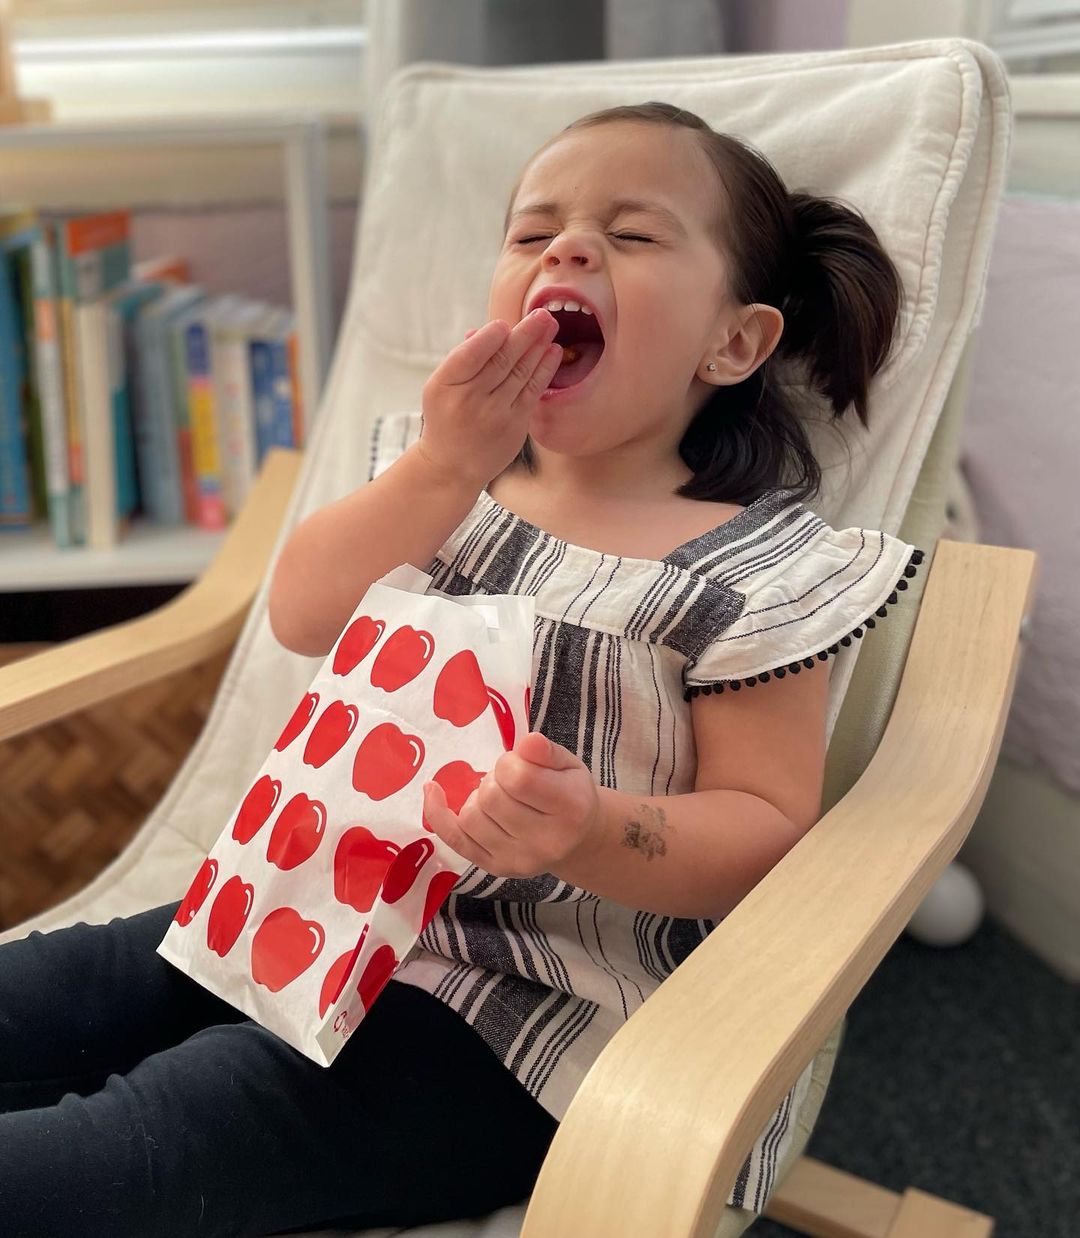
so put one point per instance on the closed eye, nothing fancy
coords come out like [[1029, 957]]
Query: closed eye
[[619, 236]]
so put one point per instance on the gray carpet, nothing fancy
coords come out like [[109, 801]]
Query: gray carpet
[[959, 1074]]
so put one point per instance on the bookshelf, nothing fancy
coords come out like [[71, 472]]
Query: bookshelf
[[302, 141], [149, 555], [152, 554]]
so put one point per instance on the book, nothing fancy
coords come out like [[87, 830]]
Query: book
[[20, 233], [50, 378], [284, 413], [299, 411], [122, 306], [162, 475], [111, 497], [105, 525], [19, 248], [230, 333], [202, 409], [273, 414], [261, 373], [166, 269], [94, 255], [15, 497], [181, 409]]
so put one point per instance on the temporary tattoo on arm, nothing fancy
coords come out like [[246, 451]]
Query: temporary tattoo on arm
[[647, 835]]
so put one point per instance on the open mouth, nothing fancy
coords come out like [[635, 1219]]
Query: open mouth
[[582, 343]]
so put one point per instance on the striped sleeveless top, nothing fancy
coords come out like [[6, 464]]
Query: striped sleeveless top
[[546, 972]]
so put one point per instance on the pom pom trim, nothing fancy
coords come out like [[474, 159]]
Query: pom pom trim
[[734, 685]]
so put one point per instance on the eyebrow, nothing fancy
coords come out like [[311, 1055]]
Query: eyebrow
[[619, 205]]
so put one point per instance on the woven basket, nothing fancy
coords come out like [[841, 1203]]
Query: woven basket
[[74, 792]]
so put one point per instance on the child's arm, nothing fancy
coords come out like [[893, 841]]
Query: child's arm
[[402, 516], [476, 410], [695, 856], [760, 774]]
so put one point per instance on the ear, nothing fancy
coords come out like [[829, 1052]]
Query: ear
[[750, 338]]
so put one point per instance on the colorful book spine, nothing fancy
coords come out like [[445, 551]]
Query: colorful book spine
[[182, 419], [94, 255], [234, 401], [262, 390], [152, 446], [20, 248], [128, 414], [104, 527], [299, 426], [161, 473], [73, 431], [167, 269], [210, 504], [120, 409], [50, 372], [282, 388], [14, 471]]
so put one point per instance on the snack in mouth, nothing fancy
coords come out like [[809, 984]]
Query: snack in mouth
[[582, 342]]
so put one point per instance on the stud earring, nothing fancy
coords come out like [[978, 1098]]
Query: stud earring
[[710, 366]]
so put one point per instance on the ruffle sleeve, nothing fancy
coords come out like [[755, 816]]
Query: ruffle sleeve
[[813, 592]]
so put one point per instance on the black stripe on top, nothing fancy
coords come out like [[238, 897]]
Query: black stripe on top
[[680, 609]]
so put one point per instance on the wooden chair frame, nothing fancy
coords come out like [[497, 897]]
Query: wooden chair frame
[[653, 1140]]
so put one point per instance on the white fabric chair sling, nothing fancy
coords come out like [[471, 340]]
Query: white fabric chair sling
[[914, 135]]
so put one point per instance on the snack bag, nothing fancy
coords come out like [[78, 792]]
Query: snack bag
[[326, 873]]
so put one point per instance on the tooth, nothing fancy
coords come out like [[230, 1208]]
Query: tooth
[[571, 305], [585, 309], [552, 306]]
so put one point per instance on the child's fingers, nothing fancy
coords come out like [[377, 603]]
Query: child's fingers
[[434, 804], [543, 362], [494, 351], [511, 365], [520, 373], [437, 814], [471, 331], [444, 822], [464, 362]]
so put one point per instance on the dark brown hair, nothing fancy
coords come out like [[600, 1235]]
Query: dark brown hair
[[820, 263]]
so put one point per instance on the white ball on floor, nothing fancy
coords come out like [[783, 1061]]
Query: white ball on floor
[[951, 911]]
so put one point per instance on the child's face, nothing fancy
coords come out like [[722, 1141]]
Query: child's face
[[662, 301]]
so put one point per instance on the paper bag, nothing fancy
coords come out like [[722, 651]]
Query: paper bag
[[326, 873]]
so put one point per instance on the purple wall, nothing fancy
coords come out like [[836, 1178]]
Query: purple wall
[[787, 25], [243, 250]]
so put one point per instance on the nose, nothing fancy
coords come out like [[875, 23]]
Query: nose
[[575, 248]]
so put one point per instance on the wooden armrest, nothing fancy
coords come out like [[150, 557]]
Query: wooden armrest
[[655, 1136], [203, 620]]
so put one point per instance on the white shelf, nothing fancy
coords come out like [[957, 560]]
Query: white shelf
[[149, 555]]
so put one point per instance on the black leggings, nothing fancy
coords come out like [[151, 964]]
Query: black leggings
[[135, 1102]]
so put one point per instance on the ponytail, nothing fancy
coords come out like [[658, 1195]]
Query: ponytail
[[842, 303], [821, 264]]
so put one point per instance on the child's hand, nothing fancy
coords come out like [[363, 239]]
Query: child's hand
[[477, 404], [536, 808]]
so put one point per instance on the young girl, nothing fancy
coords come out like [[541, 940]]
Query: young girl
[[615, 443]]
